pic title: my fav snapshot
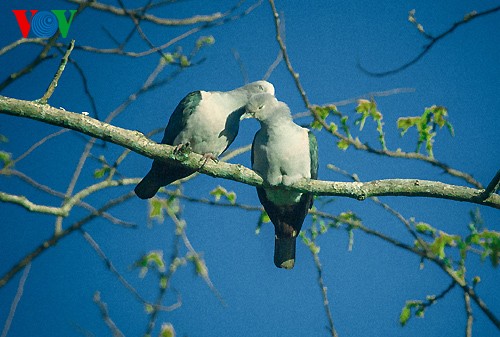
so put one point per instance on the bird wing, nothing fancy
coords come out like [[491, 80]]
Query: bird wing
[[313, 153], [179, 117]]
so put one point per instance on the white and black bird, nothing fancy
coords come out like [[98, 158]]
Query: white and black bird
[[207, 122], [282, 153]]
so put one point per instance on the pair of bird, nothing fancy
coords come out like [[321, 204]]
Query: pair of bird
[[282, 153]]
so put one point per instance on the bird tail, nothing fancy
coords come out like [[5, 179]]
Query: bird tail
[[147, 187], [284, 252]]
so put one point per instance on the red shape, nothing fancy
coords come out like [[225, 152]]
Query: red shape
[[22, 20]]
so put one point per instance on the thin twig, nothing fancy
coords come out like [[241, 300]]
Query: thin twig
[[151, 18], [355, 142], [163, 290], [57, 237], [385, 206], [15, 302], [61, 195], [86, 87], [470, 316], [57, 76], [428, 46], [426, 253], [287, 59], [324, 294], [105, 315], [492, 187], [36, 145], [181, 225], [120, 277], [273, 66]]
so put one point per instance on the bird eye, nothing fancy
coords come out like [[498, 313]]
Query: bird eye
[[261, 106], [261, 88]]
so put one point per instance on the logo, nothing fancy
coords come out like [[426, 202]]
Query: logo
[[44, 23]]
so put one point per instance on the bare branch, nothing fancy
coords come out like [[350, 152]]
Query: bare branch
[[433, 40], [19, 42], [105, 315], [55, 238], [15, 302], [61, 195], [241, 65], [324, 294], [138, 143], [287, 59], [470, 316], [30, 206], [151, 18], [120, 277], [492, 187], [55, 80], [37, 144]]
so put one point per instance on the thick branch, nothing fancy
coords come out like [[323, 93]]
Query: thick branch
[[138, 143]]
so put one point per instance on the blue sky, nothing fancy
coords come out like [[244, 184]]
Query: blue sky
[[368, 286]]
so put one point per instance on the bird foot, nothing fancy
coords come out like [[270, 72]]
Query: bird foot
[[181, 151], [208, 156], [181, 147]]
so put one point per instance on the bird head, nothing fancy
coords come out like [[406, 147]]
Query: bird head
[[259, 87], [261, 106], [254, 88]]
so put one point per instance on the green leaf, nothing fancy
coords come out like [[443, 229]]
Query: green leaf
[[333, 127], [184, 61], [169, 58], [152, 259], [155, 208], [263, 218], [367, 108], [405, 315], [220, 191], [148, 308], [425, 228], [205, 41], [199, 264], [163, 282], [322, 113], [343, 144], [316, 125], [6, 158], [99, 173], [405, 123], [167, 330]]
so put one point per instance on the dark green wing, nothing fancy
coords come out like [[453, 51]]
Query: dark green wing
[[179, 117], [313, 153]]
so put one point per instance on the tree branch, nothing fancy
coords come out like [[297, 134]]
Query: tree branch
[[55, 80], [151, 18], [138, 143], [433, 40], [492, 187], [55, 238]]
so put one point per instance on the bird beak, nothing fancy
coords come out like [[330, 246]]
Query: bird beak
[[246, 115]]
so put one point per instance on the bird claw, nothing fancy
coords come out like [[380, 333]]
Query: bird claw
[[181, 151], [181, 147], [208, 156]]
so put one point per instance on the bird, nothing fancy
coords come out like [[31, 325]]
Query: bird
[[282, 153], [206, 122]]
